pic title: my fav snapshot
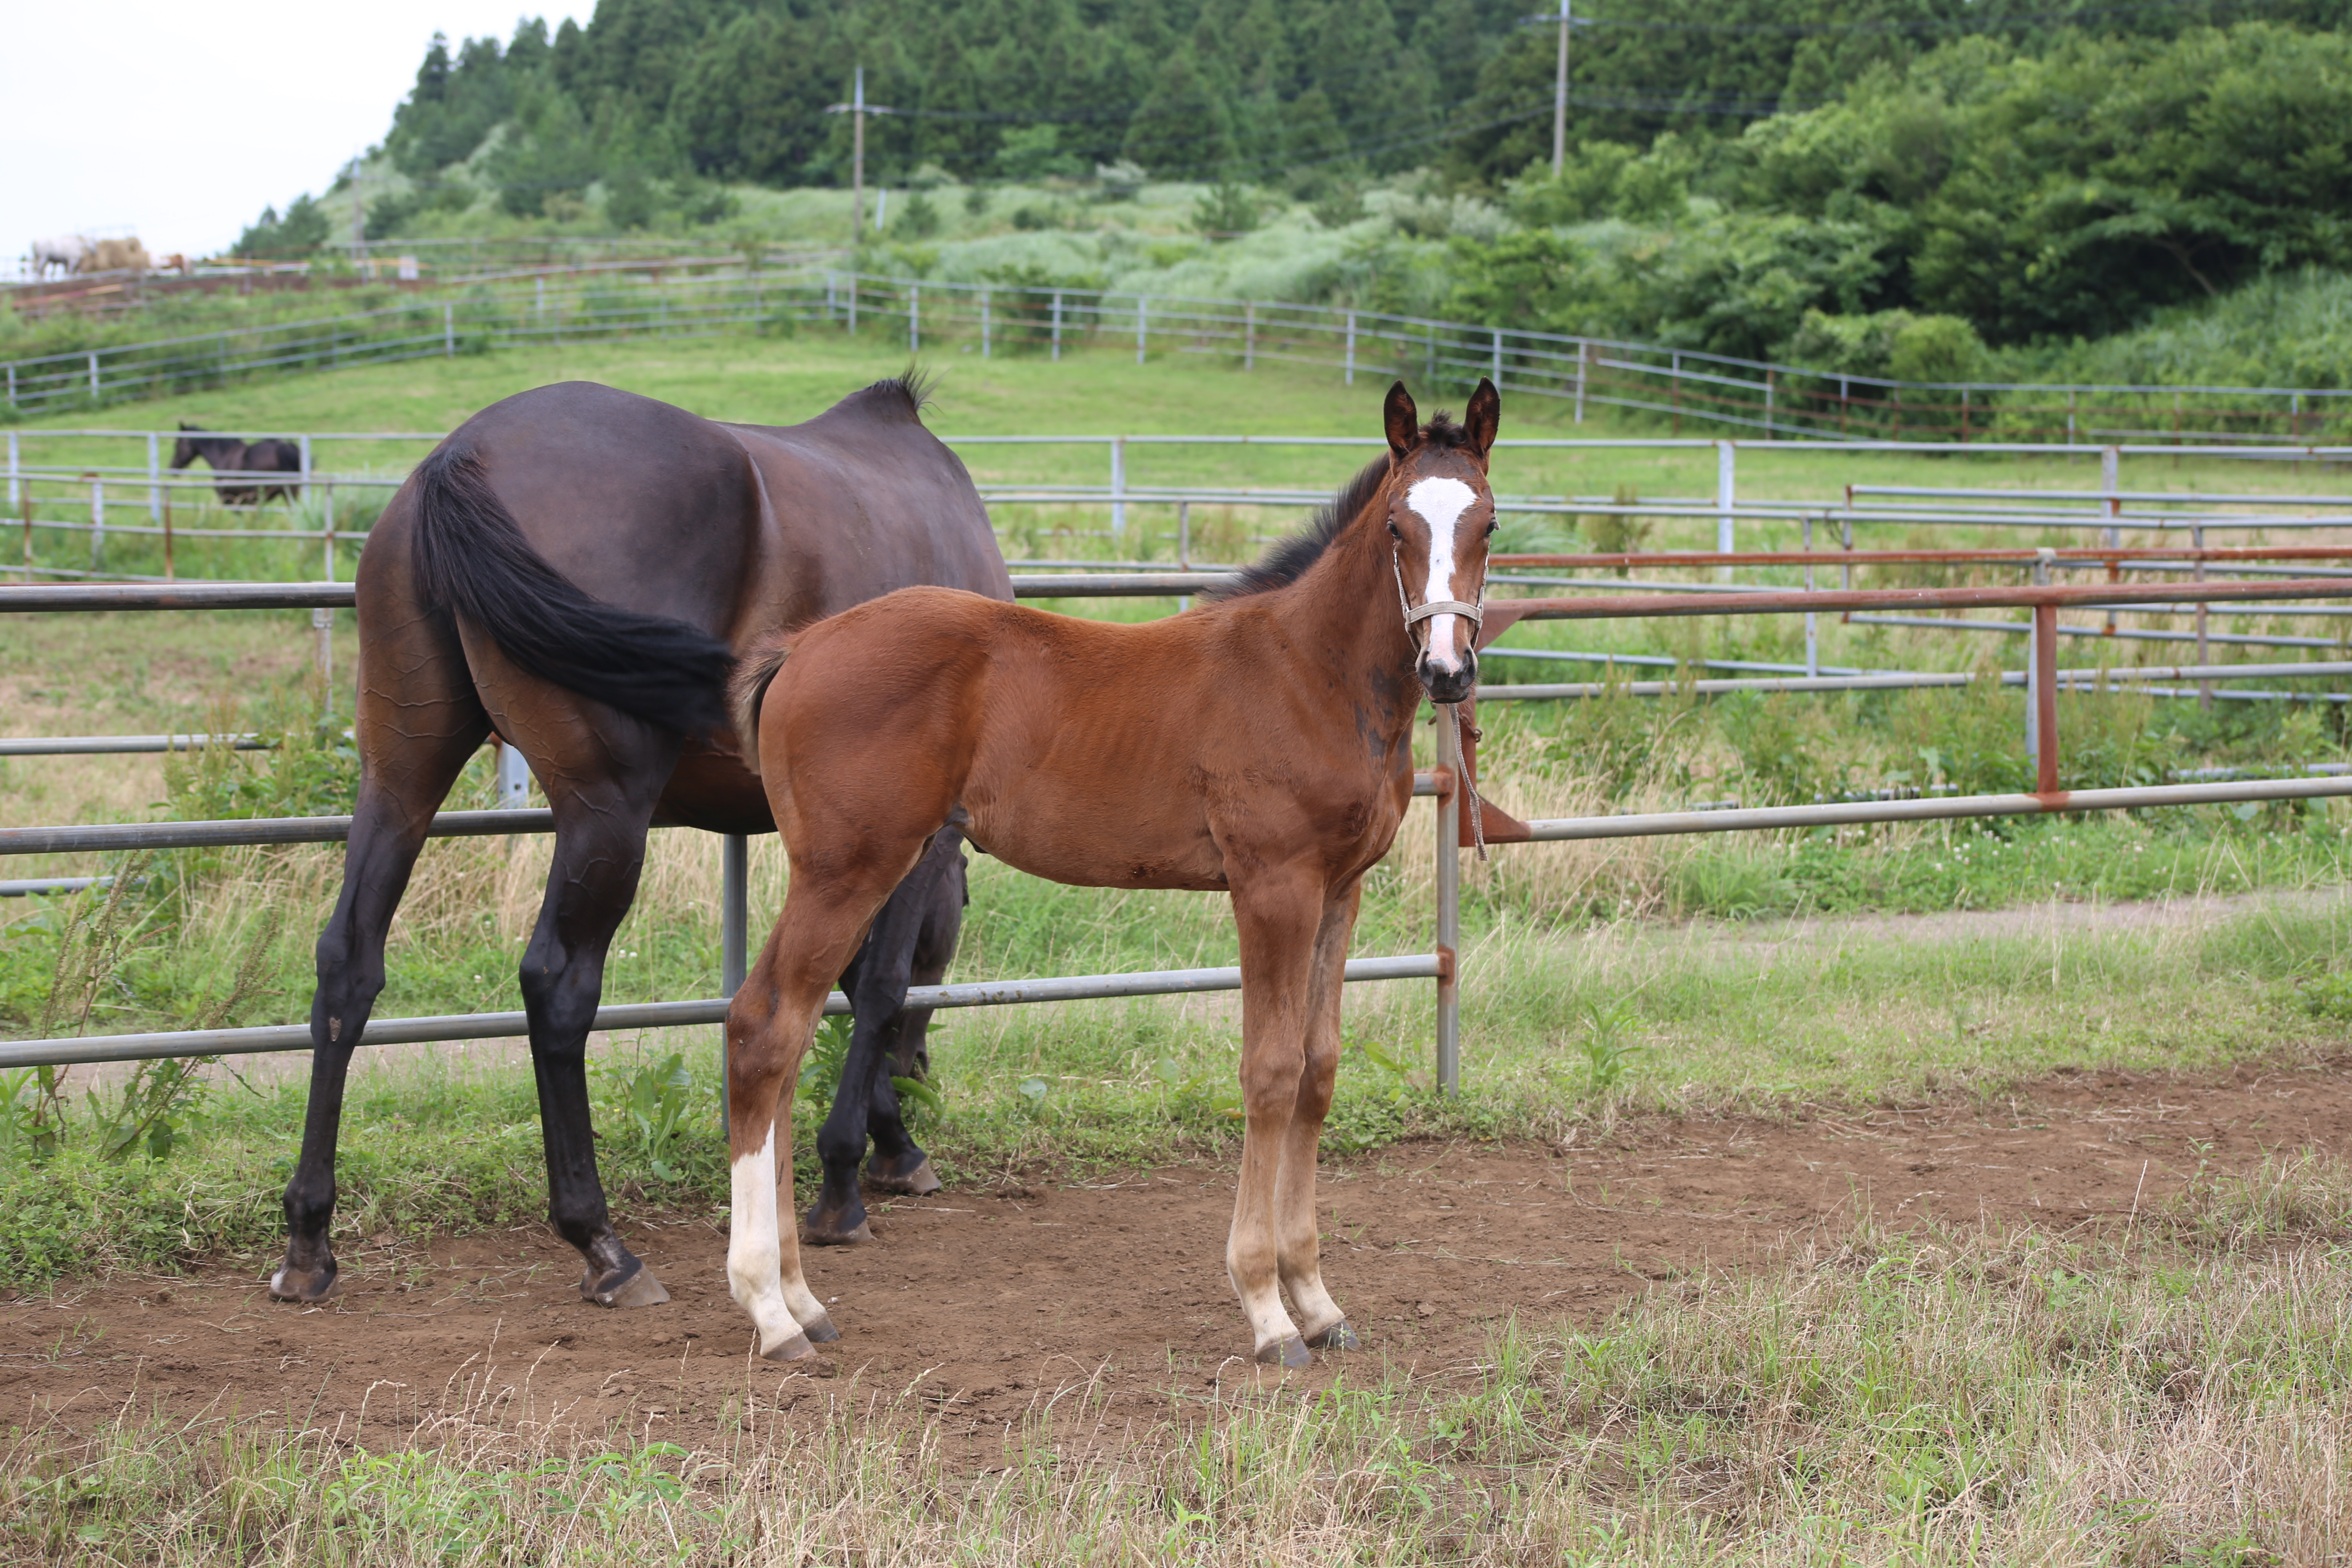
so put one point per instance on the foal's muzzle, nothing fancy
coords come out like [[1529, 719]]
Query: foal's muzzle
[[1447, 685]]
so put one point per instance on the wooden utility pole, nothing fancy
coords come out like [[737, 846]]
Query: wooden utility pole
[[857, 108], [1559, 99], [857, 160]]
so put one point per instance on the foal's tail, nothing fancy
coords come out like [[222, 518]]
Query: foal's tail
[[472, 559], [749, 688]]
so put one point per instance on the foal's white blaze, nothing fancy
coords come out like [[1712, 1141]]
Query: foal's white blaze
[[754, 1248], [1441, 503]]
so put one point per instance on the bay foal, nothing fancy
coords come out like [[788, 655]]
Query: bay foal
[[1260, 745]]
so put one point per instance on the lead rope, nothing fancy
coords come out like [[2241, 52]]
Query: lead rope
[[1469, 785]]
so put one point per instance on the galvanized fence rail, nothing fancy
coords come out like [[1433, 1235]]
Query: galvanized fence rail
[[2042, 680], [689, 297]]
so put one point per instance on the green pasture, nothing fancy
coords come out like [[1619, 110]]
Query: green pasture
[[1915, 1397]]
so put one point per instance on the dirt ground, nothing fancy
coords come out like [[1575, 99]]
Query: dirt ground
[[988, 1306]]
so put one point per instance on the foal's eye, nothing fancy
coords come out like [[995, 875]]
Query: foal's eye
[[1392, 531], [1490, 528]]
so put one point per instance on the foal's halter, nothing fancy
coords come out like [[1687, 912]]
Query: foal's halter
[[1475, 614]]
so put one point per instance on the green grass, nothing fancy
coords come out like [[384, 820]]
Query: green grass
[[1562, 1029]]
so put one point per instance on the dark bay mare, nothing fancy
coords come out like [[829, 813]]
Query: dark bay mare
[[1260, 745], [227, 454], [576, 569]]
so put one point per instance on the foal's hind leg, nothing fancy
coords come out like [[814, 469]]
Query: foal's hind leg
[[826, 910], [418, 721], [1321, 1322]]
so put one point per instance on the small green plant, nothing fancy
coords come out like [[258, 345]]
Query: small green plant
[[1606, 1053], [151, 1109], [1226, 211], [653, 1099], [820, 1078], [2329, 997], [1614, 532]]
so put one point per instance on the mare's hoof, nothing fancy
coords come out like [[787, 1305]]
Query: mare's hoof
[[921, 1181], [1337, 1336], [794, 1347], [826, 1230], [821, 1331], [1291, 1352], [306, 1285], [639, 1288]]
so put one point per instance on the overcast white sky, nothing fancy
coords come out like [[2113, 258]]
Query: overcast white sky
[[180, 122]]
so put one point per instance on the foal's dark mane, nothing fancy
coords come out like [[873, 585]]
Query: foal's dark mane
[[1288, 561]]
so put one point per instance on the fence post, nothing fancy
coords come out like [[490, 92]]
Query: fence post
[[1770, 376], [1583, 357], [1118, 486], [1142, 314], [449, 329], [2197, 542], [2111, 483], [1449, 902], [1498, 359], [2045, 699], [16, 467], [914, 318], [1726, 489], [538, 300], [327, 531], [97, 519], [983, 323], [1058, 326], [154, 479], [11, 384], [93, 375], [514, 779], [2034, 670], [734, 921], [1249, 334], [303, 444], [853, 304], [1812, 625], [322, 621]]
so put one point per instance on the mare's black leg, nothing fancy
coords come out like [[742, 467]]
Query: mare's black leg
[[876, 983], [600, 845], [898, 1163], [405, 772]]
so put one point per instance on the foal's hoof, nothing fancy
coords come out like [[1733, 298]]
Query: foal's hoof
[[917, 1180], [1337, 1336], [821, 1331], [1291, 1354], [306, 1285], [792, 1348], [637, 1288]]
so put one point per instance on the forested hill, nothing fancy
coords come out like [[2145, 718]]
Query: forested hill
[[1249, 89]]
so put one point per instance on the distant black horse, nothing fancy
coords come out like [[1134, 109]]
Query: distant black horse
[[227, 454], [575, 568]]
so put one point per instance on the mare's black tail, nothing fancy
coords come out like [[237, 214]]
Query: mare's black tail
[[472, 558]]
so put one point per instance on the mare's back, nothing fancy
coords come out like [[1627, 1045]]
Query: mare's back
[[869, 501]]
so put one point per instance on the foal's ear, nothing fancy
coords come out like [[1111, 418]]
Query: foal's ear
[[1401, 419], [1483, 418]]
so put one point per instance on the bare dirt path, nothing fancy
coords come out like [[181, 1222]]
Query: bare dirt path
[[985, 1305]]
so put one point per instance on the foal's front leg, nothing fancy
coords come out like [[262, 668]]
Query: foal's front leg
[[1279, 920], [1326, 1326]]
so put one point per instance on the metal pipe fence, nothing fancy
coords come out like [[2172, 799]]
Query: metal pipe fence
[[686, 298], [2043, 681]]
